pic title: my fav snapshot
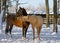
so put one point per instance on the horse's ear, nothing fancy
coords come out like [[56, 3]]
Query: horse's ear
[[20, 7]]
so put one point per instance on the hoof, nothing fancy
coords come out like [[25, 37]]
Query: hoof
[[53, 33], [10, 36], [23, 38], [5, 36], [33, 38], [48, 27]]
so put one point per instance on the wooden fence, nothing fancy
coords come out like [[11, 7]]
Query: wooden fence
[[51, 17]]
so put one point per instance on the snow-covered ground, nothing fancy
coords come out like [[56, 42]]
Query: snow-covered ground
[[46, 35]]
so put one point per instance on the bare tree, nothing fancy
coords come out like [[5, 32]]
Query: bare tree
[[47, 13], [55, 15]]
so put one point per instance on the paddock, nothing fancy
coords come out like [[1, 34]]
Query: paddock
[[51, 24]]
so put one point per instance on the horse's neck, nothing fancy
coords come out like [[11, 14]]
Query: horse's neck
[[23, 18], [18, 18]]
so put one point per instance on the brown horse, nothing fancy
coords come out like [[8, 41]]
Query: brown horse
[[12, 20], [36, 21]]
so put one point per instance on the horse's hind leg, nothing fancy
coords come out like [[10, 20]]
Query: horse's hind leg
[[33, 32], [11, 26], [6, 30], [38, 31]]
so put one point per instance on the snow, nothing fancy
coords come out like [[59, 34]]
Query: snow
[[1, 14], [12, 9], [45, 36], [0, 31]]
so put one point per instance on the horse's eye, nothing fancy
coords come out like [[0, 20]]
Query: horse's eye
[[17, 13]]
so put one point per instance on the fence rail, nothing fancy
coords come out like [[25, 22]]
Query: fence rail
[[51, 16]]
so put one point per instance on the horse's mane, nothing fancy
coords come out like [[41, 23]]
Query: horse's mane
[[22, 11], [11, 16]]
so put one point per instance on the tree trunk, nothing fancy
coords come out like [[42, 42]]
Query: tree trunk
[[47, 13], [4, 4], [0, 6], [55, 16]]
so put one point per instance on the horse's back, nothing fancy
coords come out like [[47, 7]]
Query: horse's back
[[36, 20]]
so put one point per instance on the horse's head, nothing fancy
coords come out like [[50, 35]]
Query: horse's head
[[21, 12]]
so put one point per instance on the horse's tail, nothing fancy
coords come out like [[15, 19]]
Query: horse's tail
[[6, 17], [6, 14]]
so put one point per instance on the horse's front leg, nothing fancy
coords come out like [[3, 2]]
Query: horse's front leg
[[25, 27], [25, 31], [23, 34]]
